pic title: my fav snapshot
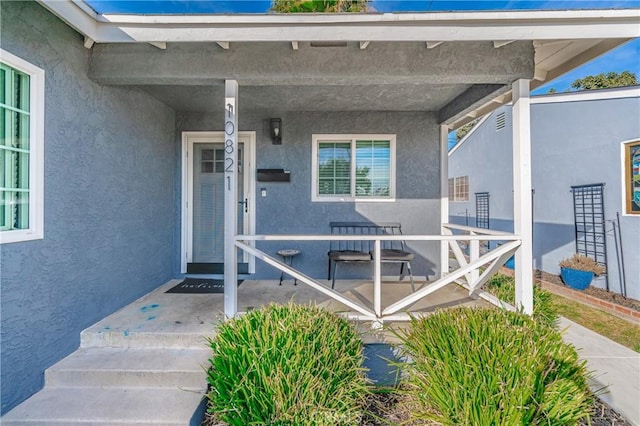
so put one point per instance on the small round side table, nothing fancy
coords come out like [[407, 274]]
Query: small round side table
[[287, 257]]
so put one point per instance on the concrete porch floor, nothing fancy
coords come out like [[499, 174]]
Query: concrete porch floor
[[193, 317]]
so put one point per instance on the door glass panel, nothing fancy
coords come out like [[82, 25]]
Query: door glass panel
[[208, 203]]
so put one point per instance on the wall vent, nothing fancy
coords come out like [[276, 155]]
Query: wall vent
[[501, 121]]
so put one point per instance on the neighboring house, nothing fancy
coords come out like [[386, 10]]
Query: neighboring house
[[121, 120], [577, 138]]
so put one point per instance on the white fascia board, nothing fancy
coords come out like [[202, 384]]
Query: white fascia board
[[588, 95], [472, 131], [584, 95], [279, 19], [448, 26], [375, 33], [571, 63], [78, 17]]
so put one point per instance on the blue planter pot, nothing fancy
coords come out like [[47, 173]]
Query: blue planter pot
[[575, 278], [511, 263]]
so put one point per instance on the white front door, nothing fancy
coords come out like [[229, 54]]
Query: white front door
[[203, 200]]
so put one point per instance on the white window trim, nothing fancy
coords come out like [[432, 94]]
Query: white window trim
[[353, 137], [36, 151], [623, 177]]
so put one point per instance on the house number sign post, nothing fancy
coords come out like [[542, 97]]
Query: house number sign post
[[230, 197]]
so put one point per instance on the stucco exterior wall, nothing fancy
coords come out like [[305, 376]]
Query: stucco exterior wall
[[288, 209], [573, 143], [108, 205]]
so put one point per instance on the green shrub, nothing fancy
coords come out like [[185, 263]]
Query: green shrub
[[287, 365], [491, 367], [503, 287]]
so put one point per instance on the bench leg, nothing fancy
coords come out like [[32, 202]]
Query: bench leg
[[413, 288], [329, 270], [335, 268]]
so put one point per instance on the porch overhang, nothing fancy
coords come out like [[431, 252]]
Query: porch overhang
[[413, 53]]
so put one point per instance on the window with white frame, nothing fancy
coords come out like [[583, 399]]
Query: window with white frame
[[631, 176], [21, 149], [459, 188], [353, 168]]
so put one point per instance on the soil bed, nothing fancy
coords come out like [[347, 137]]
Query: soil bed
[[386, 410], [594, 291]]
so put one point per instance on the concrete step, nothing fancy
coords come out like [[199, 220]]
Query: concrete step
[[122, 367], [133, 339], [108, 406]]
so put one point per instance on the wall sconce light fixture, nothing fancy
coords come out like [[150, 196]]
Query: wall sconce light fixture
[[276, 131]]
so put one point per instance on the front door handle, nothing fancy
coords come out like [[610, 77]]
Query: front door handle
[[246, 204]]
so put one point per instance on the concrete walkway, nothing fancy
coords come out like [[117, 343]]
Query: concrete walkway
[[614, 366]]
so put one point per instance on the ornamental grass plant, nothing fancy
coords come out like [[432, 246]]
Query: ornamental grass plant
[[287, 365], [504, 288], [583, 263], [490, 367]]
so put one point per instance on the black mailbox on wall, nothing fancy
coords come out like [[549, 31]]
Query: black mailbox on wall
[[274, 175]]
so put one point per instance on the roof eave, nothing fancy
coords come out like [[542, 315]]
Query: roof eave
[[435, 26]]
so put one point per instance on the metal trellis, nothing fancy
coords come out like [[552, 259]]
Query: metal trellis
[[482, 210], [589, 218]]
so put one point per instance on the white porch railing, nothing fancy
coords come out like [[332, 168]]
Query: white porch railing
[[468, 274]]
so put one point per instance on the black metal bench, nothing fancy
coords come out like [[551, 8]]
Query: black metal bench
[[359, 251]]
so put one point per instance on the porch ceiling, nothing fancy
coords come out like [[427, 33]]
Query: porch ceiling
[[362, 97], [387, 76]]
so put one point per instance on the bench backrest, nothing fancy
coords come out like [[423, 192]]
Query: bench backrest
[[365, 228]]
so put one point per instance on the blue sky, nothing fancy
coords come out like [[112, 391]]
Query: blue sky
[[262, 6]]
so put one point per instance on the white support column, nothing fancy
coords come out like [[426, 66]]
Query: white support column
[[377, 280], [230, 197], [444, 196], [474, 254], [522, 194]]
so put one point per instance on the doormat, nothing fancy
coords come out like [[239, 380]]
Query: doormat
[[199, 285]]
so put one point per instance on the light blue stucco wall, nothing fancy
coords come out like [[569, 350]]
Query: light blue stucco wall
[[573, 143], [108, 205], [288, 208]]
